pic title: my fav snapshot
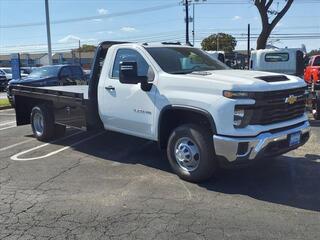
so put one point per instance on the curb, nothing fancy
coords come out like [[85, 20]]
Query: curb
[[5, 107]]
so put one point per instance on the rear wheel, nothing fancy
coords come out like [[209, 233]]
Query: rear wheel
[[190, 153], [42, 123]]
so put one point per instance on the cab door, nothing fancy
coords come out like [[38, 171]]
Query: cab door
[[127, 108]]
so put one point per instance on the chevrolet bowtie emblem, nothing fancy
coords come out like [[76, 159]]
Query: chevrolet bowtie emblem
[[291, 99]]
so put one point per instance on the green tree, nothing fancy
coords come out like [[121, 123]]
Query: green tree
[[314, 52], [87, 48], [221, 41]]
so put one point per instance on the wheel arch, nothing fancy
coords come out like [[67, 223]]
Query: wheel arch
[[172, 116]]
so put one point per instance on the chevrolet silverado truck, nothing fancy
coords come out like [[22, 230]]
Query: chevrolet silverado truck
[[202, 113]]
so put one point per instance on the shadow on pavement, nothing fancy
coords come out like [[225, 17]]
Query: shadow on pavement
[[291, 181], [315, 123]]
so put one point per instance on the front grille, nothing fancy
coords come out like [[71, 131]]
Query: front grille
[[271, 107]]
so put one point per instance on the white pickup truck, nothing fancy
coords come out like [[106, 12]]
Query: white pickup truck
[[204, 114]]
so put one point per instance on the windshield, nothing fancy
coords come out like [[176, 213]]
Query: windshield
[[45, 72], [7, 70], [177, 60]]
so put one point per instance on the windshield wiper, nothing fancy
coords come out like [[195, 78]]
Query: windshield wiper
[[183, 72]]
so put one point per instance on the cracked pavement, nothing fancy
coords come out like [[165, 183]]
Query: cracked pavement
[[119, 187]]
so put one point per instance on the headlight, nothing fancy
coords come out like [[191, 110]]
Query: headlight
[[242, 116], [236, 94]]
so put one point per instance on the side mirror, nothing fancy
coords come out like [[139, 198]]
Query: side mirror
[[129, 73]]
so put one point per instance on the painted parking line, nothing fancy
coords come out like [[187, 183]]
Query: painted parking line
[[17, 157], [15, 145], [7, 123], [7, 114], [1, 129], [7, 110]]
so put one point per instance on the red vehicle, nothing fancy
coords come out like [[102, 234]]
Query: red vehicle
[[312, 78], [312, 72]]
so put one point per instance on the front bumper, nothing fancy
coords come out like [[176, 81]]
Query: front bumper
[[244, 149]]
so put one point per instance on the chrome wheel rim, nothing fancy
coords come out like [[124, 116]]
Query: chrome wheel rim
[[187, 154], [38, 123]]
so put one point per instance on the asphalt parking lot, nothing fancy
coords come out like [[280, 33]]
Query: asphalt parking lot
[[109, 186]]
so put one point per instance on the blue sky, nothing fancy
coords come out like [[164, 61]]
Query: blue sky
[[167, 24]]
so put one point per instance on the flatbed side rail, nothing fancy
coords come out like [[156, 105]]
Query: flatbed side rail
[[68, 108], [48, 94]]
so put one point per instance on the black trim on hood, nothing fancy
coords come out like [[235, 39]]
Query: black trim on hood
[[274, 78]]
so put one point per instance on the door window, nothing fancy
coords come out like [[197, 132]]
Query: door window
[[65, 72], [77, 72], [130, 55], [316, 61]]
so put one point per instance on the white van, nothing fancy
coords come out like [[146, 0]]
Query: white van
[[287, 61]]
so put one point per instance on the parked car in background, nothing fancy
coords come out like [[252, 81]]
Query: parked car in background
[[312, 78], [7, 72], [312, 72], [287, 61], [3, 82], [56, 75]]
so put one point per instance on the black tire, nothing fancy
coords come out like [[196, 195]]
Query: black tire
[[46, 132], [202, 139], [59, 130]]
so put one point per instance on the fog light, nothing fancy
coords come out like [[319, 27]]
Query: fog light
[[238, 117], [242, 116]]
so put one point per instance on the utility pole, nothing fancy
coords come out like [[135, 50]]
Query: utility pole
[[48, 32], [80, 52], [193, 18], [186, 3], [249, 51]]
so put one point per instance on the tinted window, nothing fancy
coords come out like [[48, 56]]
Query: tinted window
[[316, 61], [130, 55], [77, 72], [66, 72], [277, 57], [51, 71], [178, 60]]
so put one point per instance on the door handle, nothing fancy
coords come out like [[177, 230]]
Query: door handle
[[110, 88]]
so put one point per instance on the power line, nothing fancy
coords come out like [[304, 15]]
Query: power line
[[111, 15]]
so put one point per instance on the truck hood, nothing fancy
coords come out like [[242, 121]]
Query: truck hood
[[244, 80]]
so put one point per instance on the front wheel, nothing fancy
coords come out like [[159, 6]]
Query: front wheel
[[190, 153], [42, 123]]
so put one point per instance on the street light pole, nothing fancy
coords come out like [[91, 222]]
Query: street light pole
[[48, 32], [80, 52]]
